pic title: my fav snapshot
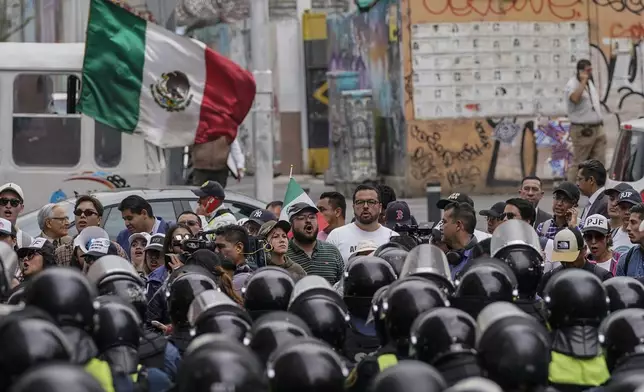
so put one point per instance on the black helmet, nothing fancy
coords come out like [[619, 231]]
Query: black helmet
[[475, 384], [273, 330], [214, 312], [527, 265], [114, 275], [17, 296], [377, 315], [120, 324], [622, 336], [395, 257], [430, 262], [441, 332], [216, 362], [362, 279], [306, 364], [409, 376], [57, 377], [624, 292], [66, 295], [182, 291], [404, 301], [268, 289], [28, 340], [387, 246], [513, 347], [326, 318], [573, 297]]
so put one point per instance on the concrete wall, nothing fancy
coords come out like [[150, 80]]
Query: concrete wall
[[484, 154]]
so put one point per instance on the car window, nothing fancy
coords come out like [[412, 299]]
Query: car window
[[114, 221], [240, 210]]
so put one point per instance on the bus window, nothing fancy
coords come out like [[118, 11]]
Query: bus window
[[43, 133], [107, 145], [628, 159]]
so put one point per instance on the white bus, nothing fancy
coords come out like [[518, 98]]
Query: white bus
[[50, 149]]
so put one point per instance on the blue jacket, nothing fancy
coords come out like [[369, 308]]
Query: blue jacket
[[124, 236], [635, 264]]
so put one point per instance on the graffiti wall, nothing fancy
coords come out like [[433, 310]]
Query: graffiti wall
[[484, 147]]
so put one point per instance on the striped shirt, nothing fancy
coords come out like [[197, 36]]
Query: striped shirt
[[553, 229], [325, 261]]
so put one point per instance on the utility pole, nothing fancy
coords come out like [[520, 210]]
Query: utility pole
[[263, 107]]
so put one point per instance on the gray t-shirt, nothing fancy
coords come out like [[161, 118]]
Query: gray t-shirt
[[582, 112]]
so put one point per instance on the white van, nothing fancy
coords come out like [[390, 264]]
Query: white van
[[628, 159], [48, 148]]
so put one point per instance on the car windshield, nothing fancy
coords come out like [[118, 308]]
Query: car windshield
[[628, 159]]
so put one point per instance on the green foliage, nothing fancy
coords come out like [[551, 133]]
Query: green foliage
[[9, 23]]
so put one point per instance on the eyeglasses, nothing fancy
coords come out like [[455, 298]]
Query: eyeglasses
[[191, 223], [370, 203], [308, 217], [30, 255], [87, 213], [13, 202], [62, 219]]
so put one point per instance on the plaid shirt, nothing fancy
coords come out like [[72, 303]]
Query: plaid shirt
[[553, 229], [64, 253]]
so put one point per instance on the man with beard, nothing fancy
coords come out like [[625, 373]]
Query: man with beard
[[366, 209], [315, 256]]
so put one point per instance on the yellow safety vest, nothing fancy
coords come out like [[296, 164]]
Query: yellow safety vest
[[386, 361], [101, 371], [590, 372]]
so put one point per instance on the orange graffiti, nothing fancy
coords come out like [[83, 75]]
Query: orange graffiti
[[562, 9], [634, 31]]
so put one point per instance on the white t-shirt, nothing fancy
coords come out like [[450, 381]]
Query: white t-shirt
[[621, 242], [347, 237]]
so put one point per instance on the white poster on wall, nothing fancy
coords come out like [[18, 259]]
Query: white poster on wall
[[494, 69]]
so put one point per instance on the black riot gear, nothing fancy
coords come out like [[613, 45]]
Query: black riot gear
[[622, 336], [624, 292], [377, 315], [214, 312], [362, 279], [268, 289], [119, 335], [395, 257], [575, 297], [214, 362], [8, 268], [321, 308], [306, 365], [57, 377], [273, 330], [409, 376], [429, 261], [404, 301], [475, 384], [387, 246]]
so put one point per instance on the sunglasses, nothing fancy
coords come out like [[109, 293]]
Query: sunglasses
[[87, 213], [596, 236], [31, 255], [191, 223], [13, 202]]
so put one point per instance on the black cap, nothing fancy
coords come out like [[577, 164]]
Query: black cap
[[210, 188], [38, 244], [619, 188], [299, 207], [397, 213], [261, 216], [630, 197], [455, 198], [569, 189], [495, 211]]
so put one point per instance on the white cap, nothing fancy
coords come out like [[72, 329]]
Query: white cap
[[596, 222], [10, 186], [145, 236], [364, 246], [5, 227]]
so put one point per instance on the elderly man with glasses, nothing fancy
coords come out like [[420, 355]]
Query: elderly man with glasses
[[54, 224]]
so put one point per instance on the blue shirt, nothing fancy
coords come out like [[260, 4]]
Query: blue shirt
[[635, 264], [123, 237], [455, 269]]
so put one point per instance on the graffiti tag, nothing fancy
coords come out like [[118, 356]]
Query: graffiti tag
[[562, 9], [634, 6]]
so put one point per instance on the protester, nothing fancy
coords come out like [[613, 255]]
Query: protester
[[531, 190], [53, 223], [12, 202], [138, 218], [138, 242], [191, 220], [564, 207], [494, 216], [618, 219], [333, 207], [591, 179], [274, 233]]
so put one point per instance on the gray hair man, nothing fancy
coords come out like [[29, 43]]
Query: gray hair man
[[54, 224]]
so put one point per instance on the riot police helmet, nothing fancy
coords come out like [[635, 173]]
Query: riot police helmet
[[120, 324], [57, 377], [17, 296], [114, 275], [395, 256], [377, 315], [274, 329], [182, 291], [8, 267], [513, 347], [66, 295], [575, 297], [387, 246], [624, 292], [361, 281], [405, 300], [442, 332], [429, 261], [268, 289], [475, 384], [312, 286], [409, 376], [214, 362], [214, 312], [488, 278], [306, 365], [621, 335]]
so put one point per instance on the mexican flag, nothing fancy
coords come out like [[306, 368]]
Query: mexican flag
[[295, 194], [172, 90]]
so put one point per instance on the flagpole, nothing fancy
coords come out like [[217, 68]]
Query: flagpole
[[290, 174]]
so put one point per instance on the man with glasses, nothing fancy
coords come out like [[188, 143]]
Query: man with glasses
[[494, 216], [191, 220], [532, 192], [315, 256], [12, 202], [54, 223], [564, 208], [366, 209]]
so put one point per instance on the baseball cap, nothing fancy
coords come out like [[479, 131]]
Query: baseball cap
[[569, 189], [87, 235], [619, 188], [261, 216], [566, 245], [270, 225], [156, 242], [6, 227], [596, 222], [10, 186], [455, 198], [364, 246], [495, 211], [210, 188], [630, 197], [145, 236], [99, 247], [40, 244], [299, 207], [397, 213]]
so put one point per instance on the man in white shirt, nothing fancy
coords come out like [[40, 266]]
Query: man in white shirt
[[366, 209], [461, 198], [591, 179]]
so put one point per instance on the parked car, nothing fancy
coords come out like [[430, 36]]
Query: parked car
[[166, 203], [628, 159]]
